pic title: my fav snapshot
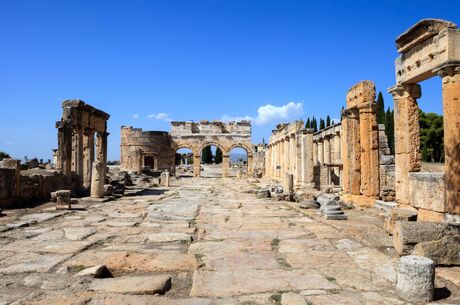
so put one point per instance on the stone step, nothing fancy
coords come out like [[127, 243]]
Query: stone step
[[384, 205]]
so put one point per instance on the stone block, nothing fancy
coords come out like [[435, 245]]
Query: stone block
[[399, 214], [430, 216], [263, 194], [63, 198], [98, 271], [445, 251], [108, 190], [416, 279], [407, 234], [133, 284], [427, 191]]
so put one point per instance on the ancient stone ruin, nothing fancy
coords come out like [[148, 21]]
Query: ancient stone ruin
[[156, 149]]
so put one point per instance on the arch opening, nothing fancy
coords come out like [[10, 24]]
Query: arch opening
[[184, 162], [238, 157], [211, 161]]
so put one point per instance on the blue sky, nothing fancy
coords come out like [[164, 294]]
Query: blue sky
[[146, 62]]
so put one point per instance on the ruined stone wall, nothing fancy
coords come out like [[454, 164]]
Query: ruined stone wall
[[139, 147], [18, 188], [259, 152], [386, 167]]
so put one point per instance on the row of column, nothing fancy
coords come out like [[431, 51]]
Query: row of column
[[76, 151], [292, 154], [327, 150], [407, 137]]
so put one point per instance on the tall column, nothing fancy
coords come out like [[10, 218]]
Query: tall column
[[250, 164], [196, 165], [451, 103], [299, 159], [355, 168], [281, 159], [407, 137], [226, 165], [292, 155], [315, 153], [88, 156], [307, 158], [64, 154], [320, 152], [369, 142], [346, 157], [337, 149], [327, 150], [79, 151]]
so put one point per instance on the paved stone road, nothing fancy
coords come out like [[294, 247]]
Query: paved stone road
[[205, 241]]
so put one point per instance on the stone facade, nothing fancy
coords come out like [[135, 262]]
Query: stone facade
[[290, 151], [360, 145], [386, 168], [327, 158], [145, 148], [431, 47], [82, 139], [136, 144]]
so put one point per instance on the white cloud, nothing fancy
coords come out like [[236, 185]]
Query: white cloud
[[160, 116], [135, 116], [269, 113], [9, 143]]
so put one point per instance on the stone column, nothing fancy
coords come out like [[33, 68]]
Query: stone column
[[98, 180], [307, 158], [64, 155], [355, 168], [320, 151], [196, 165], [79, 151], [369, 142], [101, 147], [226, 165], [299, 160], [279, 160], [88, 156], [292, 155], [250, 164], [451, 104], [337, 149], [407, 137], [345, 153], [315, 153], [327, 150]]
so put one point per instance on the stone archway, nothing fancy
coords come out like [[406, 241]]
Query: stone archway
[[249, 153], [196, 136]]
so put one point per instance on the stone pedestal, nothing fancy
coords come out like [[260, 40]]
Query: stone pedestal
[[226, 165], [416, 279], [62, 199], [196, 165], [98, 180]]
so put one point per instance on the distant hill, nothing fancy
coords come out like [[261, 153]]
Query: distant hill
[[235, 157]]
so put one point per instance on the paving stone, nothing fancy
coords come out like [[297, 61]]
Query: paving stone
[[168, 237], [30, 262], [304, 245], [241, 261], [133, 284], [231, 283], [78, 233]]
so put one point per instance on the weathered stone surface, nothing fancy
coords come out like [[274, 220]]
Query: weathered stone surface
[[168, 237], [399, 214], [415, 279], [228, 283], [445, 251], [98, 271], [292, 299], [78, 233], [409, 233], [126, 261], [98, 179], [428, 191], [30, 262], [133, 284]]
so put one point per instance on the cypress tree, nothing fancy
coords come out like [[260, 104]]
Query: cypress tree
[[328, 121], [206, 155], [218, 156], [389, 129], [381, 116], [307, 124], [314, 125], [321, 124]]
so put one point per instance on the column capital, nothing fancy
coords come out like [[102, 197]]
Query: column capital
[[400, 91], [448, 69], [308, 131]]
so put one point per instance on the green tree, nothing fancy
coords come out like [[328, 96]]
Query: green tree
[[321, 124], [3, 155], [431, 137], [328, 121], [206, 155], [218, 156], [308, 123], [389, 129], [314, 124], [381, 115]]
